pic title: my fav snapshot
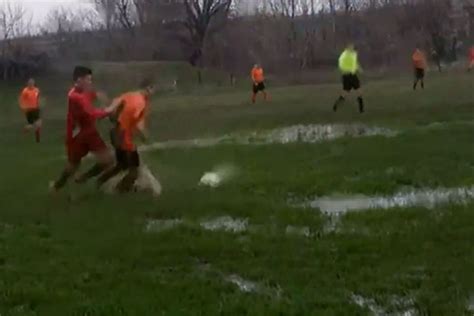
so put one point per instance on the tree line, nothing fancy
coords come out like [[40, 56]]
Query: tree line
[[283, 35]]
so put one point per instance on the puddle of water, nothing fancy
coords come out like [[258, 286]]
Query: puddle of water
[[146, 182], [298, 133], [470, 305], [398, 306], [318, 133], [298, 231], [226, 223], [424, 198], [159, 225], [244, 285]]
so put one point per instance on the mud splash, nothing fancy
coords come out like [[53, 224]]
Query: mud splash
[[292, 134], [428, 198]]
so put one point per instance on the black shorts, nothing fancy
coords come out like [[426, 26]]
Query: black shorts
[[419, 73], [32, 116], [350, 82], [127, 159], [258, 87]]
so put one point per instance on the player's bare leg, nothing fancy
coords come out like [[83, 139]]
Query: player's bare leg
[[37, 126]]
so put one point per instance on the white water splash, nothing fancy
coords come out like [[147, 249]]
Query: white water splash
[[160, 225], [398, 306], [226, 223], [428, 198], [218, 176], [146, 182], [298, 133], [304, 231], [470, 304], [244, 285]]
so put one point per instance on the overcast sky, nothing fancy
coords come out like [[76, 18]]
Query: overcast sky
[[40, 8]]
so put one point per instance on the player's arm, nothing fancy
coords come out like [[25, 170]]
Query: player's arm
[[141, 130], [21, 103], [88, 109]]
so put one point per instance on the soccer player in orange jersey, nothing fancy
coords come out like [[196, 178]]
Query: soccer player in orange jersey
[[29, 102], [133, 108], [419, 66], [258, 80]]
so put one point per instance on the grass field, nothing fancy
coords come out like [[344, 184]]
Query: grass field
[[86, 253]]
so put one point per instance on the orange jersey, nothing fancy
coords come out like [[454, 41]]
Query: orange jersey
[[257, 75], [29, 99], [134, 111], [419, 59]]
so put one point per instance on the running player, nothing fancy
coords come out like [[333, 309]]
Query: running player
[[349, 67], [258, 80], [419, 67], [82, 134], [29, 101], [132, 113]]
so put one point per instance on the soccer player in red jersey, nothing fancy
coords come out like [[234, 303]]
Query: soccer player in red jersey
[[82, 135]]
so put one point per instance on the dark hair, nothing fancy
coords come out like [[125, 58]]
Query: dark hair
[[80, 72], [146, 83]]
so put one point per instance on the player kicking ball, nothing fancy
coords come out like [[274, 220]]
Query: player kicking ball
[[349, 67], [132, 109], [82, 135], [29, 101]]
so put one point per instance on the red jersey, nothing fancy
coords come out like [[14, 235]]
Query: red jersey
[[82, 115], [471, 54]]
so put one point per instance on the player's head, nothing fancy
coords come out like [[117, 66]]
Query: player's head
[[148, 86], [82, 77], [256, 66], [350, 46], [31, 83]]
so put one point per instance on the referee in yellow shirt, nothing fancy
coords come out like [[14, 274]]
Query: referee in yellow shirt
[[349, 67]]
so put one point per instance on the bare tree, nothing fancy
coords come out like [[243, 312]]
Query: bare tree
[[107, 10], [12, 24], [200, 15]]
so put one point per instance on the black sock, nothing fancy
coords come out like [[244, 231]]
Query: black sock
[[414, 85], [63, 178], [92, 172], [338, 102], [361, 104], [109, 174], [422, 85], [127, 183]]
